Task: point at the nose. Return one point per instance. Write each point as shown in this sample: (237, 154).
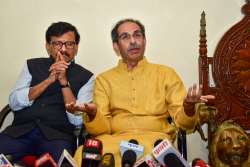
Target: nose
(63, 48)
(236, 144)
(132, 40)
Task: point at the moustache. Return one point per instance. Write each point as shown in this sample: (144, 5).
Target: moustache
(133, 46)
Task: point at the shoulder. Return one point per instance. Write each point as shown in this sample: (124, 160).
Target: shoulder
(162, 69)
(108, 73)
(37, 61)
(82, 69)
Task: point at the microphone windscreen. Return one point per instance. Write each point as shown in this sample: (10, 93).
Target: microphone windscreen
(157, 142)
(138, 149)
(172, 160)
(163, 153)
(92, 149)
(133, 141)
(128, 158)
(199, 163)
(29, 160)
(108, 160)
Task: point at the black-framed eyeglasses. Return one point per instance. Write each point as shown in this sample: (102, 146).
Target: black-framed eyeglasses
(59, 44)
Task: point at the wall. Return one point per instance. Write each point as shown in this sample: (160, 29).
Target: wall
(172, 29)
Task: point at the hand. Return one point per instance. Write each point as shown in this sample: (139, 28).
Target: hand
(194, 95)
(60, 66)
(52, 77)
(90, 108)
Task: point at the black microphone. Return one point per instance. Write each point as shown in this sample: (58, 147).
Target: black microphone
(172, 160)
(92, 152)
(167, 155)
(108, 160)
(128, 158)
(157, 142)
(130, 151)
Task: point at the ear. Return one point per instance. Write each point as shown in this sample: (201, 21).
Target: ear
(116, 49)
(47, 48)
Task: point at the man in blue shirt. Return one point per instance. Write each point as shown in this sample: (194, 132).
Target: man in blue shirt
(42, 123)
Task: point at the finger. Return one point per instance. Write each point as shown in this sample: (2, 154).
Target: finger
(208, 97)
(57, 57)
(198, 92)
(194, 90)
(62, 57)
(189, 92)
(203, 99)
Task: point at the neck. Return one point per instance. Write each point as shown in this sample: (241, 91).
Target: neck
(132, 64)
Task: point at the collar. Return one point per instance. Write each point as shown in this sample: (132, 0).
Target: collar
(142, 63)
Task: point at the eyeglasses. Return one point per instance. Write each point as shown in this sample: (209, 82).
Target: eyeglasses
(67, 44)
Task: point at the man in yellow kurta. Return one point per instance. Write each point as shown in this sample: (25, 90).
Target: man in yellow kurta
(134, 99)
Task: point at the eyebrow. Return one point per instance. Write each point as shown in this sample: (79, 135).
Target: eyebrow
(125, 33)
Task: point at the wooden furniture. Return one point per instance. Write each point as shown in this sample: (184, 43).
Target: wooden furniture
(230, 69)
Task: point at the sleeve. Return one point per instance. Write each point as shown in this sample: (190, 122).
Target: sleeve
(175, 95)
(19, 96)
(85, 95)
(101, 123)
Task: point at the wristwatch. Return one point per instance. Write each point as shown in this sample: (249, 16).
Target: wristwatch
(65, 86)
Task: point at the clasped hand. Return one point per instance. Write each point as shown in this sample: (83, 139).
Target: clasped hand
(58, 70)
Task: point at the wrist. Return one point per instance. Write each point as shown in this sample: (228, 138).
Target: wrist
(64, 84)
(189, 108)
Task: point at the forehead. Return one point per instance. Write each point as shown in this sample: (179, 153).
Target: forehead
(129, 27)
(68, 36)
(231, 132)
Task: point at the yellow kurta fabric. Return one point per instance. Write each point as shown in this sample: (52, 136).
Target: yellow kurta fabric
(135, 104)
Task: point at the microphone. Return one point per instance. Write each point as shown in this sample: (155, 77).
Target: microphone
(147, 161)
(131, 145)
(66, 159)
(167, 155)
(197, 162)
(45, 160)
(130, 151)
(108, 160)
(4, 162)
(92, 152)
(157, 142)
(128, 158)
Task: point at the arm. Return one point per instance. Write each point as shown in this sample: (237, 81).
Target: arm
(85, 95)
(23, 95)
(175, 95)
(19, 98)
(194, 96)
(101, 122)
(98, 112)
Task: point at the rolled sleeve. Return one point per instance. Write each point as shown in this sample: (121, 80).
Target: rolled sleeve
(19, 96)
(85, 95)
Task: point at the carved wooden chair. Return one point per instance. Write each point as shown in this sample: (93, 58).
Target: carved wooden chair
(229, 69)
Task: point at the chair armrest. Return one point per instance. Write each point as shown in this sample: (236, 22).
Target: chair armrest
(3, 114)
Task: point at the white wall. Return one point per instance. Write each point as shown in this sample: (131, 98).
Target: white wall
(172, 28)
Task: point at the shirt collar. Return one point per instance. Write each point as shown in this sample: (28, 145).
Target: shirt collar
(122, 65)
